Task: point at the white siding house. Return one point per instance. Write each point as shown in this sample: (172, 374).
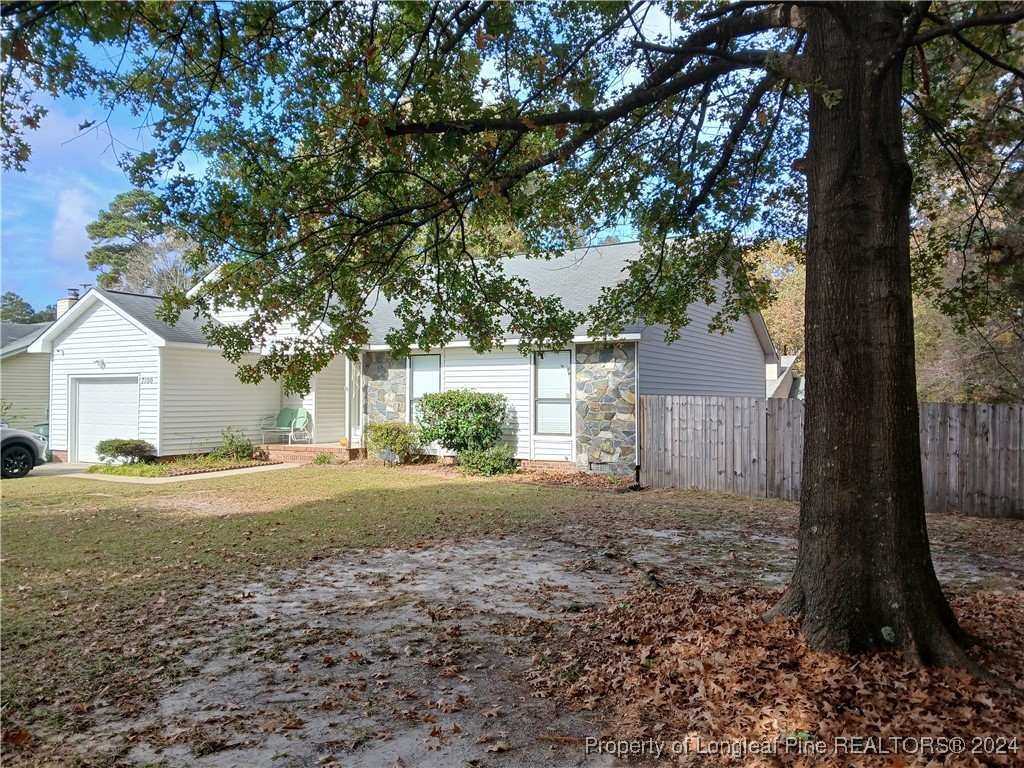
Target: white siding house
(117, 371)
(577, 405)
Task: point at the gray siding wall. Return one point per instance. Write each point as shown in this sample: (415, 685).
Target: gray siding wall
(25, 384)
(702, 363)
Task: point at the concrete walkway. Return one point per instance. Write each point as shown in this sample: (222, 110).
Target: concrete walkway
(78, 470)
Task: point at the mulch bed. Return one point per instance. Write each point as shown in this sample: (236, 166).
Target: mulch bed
(182, 472)
(700, 675)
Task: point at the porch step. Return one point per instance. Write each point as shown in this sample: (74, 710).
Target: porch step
(304, 454)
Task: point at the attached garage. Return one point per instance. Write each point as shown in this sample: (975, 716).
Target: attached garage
(103, 408)
(118, 371)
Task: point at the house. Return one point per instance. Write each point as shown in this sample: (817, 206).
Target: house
(569, 407)
(117, 371)
(24, 378)
(573, 407)
(782, 381)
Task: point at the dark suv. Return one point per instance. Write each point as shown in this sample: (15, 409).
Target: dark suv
(20, 451)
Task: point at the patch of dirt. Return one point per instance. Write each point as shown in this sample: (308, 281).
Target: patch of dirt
(423, 656)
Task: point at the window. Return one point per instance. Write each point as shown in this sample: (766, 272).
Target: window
(425, 379)
(553, 405)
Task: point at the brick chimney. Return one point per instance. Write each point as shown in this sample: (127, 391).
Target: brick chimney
(63, 305)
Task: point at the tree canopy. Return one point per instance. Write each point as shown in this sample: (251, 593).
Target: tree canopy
(352, 150)
(356, 148)
(14, 309)
(137, 248)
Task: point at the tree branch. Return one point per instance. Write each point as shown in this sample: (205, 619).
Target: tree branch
(631, 102)
(950, 27)
(995, 62)
(467, 24)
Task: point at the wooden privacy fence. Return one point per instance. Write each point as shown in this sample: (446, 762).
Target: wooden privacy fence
(972, 456)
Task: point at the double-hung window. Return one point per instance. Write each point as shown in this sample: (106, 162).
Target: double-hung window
(553, 393)
(425, 376)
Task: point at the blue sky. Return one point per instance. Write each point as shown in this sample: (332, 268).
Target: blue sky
(71, 176)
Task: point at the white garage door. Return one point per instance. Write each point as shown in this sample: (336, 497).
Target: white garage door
(105, 408)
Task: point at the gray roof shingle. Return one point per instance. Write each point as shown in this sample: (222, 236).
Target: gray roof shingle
(17, 336)
(188, 329)
(577, 278)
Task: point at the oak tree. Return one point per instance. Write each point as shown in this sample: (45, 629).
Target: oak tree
(356, 150)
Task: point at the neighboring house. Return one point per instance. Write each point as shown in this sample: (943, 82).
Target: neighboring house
(782, 380)
(570, 407)
(24, 378)
(116, 371)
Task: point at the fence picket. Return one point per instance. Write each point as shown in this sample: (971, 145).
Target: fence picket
(972, 457)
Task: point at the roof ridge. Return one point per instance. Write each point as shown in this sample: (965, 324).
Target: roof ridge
(128, 293)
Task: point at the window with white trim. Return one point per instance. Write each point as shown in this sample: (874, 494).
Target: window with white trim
(553, 393)
(424, 379)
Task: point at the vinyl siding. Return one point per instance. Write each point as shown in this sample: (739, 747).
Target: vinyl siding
(702, 363)
(285, 330)
(329, 405)
(552, 448)
(231, 316)
(504, 371)
(202, 396)
(25, 384)
(102, 343)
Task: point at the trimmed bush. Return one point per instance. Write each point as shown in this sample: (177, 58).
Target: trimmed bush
(237, 447)
(496, 460)
(461, 419)
(125, 451)
(400, 438)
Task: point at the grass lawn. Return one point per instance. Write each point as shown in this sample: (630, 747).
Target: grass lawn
(99, 579)
(86, 564)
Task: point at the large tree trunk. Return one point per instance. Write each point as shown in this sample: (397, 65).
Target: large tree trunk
(864, 578)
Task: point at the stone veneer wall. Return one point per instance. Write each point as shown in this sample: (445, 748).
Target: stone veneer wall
(606, 407)
(384, 387)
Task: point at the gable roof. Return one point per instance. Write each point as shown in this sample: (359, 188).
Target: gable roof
(577, 278)
(17, 337)
(188, 329)
(137, 309)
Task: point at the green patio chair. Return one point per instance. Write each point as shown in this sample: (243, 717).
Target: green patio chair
(300, 428)
(278, 425)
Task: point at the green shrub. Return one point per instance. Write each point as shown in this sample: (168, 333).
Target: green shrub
(496, 460)
(237, 447)
(396, 436)
(461, 419)
(125, 451)
(323, 458)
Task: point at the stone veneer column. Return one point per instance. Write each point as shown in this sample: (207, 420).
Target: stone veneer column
(606, 407)
(384, 387)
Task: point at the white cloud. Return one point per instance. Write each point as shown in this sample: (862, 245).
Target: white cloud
(68, 239)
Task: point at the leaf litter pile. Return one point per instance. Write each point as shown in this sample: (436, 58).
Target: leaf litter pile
(701, 674)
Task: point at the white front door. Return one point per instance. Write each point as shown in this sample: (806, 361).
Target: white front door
(105, 408)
